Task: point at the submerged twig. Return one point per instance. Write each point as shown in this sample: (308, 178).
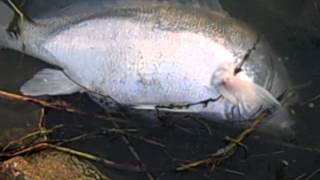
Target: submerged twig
(133, 151)
(205, 125)
(186, 106)
(311, 100)
(146, 140)
(67, 108)
(55, 105)
(289, 93)
(290, 145)
(16, 10)
(231, 171)
(266, 154)
(223, 153)
(21, 141)
(317, 171)
(42, 118)
(106, 162)
(300, 176)
(126, 132)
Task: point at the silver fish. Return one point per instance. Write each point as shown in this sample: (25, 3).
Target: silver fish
(155, 54)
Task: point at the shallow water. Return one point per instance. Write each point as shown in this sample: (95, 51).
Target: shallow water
(293, 29)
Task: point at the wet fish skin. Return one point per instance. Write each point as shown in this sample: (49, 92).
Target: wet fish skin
(233, 33)
(232, 38)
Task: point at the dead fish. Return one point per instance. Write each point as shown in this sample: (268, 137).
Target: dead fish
(155, 55)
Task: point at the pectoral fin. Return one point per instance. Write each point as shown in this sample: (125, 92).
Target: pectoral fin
(49, 82)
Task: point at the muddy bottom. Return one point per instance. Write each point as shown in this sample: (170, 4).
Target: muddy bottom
(50, 165)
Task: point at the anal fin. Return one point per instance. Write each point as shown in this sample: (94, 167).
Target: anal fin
(49, 82)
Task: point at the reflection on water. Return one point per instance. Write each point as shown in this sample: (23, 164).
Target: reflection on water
(293, 29)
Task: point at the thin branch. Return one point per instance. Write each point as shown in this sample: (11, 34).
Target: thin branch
(20, 142)
(317, 171)
(133, 151)
(16, 10)
(106, 162)
(290, 145)
(225, 152)
(55, 105)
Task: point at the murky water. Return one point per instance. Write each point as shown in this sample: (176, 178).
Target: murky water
(293, 29)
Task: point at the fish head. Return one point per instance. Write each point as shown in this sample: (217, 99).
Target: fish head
(245, 96)
(244, 99)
